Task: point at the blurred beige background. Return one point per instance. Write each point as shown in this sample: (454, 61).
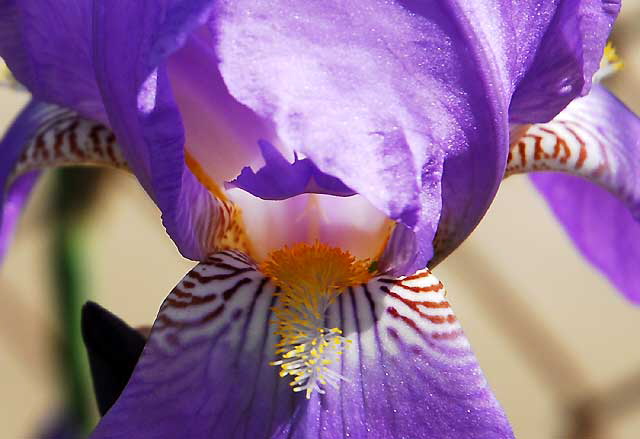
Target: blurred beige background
(577, 336)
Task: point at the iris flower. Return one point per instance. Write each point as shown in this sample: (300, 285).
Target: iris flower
(316, 157)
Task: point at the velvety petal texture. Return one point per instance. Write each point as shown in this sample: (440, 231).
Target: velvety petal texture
(596, 138)
(205, 373)
(553, 49)
(362, 90)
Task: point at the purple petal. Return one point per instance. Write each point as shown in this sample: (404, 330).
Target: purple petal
(143, 114)
(204, 371)
(21, 133)
(597, 138)
(221, 134)
(44, 136)
(412, 111)
(386, 99)
(72, 53)
(568, 56)
(600, 225)
(15, 192)
(279, 179)
(137, 94)
(47, 46)
(12, 206)
(541, 65)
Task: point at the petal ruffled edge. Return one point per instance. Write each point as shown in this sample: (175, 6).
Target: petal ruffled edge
(278, 179)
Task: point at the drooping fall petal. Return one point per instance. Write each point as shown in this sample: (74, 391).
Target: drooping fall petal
(37, 138)
(46, 136)
(205, 370)
(596, 138)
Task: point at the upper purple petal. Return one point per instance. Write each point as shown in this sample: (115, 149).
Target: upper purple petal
(603, 224)
(141, 109)
(221, 134)
(568, 56)
(386, 97)
(405, 103)
(536, 34)
(101, 60)
(205, 370)
(137, 93)
(48, 47)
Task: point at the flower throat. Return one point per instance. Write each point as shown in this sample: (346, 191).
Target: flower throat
(310, 277)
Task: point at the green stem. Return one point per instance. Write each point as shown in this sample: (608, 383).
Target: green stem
(71, 293)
